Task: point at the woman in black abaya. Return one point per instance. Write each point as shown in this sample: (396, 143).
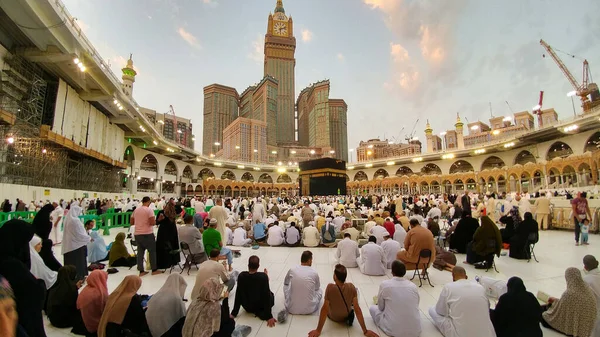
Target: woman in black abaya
(166, 241)
(15, 263)
(43, 226)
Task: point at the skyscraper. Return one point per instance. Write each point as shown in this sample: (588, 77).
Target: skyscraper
(220, 109)
(280, 63)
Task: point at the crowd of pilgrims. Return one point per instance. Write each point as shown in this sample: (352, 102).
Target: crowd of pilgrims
(395, 230)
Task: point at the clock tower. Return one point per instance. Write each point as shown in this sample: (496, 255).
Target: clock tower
(280, 63)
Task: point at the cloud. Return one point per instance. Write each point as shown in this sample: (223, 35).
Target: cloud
(424, 47)
(341, 57)
(257, 52)
(211, 3)
(307, 35)
(188, 37)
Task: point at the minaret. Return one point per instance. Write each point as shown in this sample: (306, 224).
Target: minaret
(128, 77)
(460, 142)
(429, 136)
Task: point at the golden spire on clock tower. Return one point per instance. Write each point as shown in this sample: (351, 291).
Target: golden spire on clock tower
(279, 7)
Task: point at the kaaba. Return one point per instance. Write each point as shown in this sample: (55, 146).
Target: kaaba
(325, 176)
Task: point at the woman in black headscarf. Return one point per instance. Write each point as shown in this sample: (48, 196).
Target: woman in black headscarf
(61, 307)
(463, 234)
(15, 263)
(166, 242)
(486, 243)
(518, 242)
(511, 222)
(42, 226)
(517, 313)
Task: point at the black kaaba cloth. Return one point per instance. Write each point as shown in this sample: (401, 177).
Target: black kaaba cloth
(325, 176)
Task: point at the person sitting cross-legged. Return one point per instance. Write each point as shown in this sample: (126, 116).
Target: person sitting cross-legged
(253, 293)
(463, 308)
(347, 252)
(209, 269)
(397, 309)
(240, 235)
(302, 287)
(372, 259)
(340, 298)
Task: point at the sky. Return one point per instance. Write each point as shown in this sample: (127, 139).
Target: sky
(396, 63)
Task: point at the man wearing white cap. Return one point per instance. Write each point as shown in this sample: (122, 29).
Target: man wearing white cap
(240, 236)
(390, 248)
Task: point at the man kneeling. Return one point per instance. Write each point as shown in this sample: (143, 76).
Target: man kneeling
(253, 292)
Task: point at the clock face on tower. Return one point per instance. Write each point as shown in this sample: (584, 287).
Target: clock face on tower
(280, 28)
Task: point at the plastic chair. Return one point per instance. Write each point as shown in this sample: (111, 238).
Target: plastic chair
(423, 254)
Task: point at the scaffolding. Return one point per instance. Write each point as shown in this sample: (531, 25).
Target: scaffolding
(29, 93)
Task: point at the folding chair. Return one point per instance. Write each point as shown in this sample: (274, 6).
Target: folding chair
(189, 257)
(134, 245)
(532, 239)
(173, 253)
(423, 254)
(491, 243)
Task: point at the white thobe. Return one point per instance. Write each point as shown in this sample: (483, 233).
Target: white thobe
(399, 234)
(229, 235)
(390, 248)
(56, 232)
(372, 260)
(433, 212)
(310, 236)
(524, 207)
(347, 252)
(240, 237)
(219, 213)
(338, 221)
(302, 290)
(292, 235)
(397, 309)
(275, 236)
(592, 278)
(210, 202)
(258, 213)
(199, 206)
(463, 310)
(378, 231)
(367, 228)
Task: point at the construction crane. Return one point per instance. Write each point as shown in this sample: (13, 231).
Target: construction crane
(582, 90)
(537, 110)
(411, 136)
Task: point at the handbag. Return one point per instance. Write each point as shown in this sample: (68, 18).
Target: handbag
(350, 318)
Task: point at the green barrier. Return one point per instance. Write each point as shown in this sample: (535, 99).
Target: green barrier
(91, 212)
(115, 220)
(110, 211)
(207, 208)
(190, 211)
(5, 221)
(27, 216)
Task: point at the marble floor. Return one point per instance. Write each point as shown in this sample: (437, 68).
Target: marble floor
(555, 251)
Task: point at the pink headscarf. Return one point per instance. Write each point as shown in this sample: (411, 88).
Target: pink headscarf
(92, 299)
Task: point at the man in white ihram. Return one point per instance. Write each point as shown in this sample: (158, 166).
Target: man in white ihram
(372, 259)
(302, 287)
(390, 248)
(347, 252)
(275, 235)
(463, 308)
(258, 212)
(397, 309)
